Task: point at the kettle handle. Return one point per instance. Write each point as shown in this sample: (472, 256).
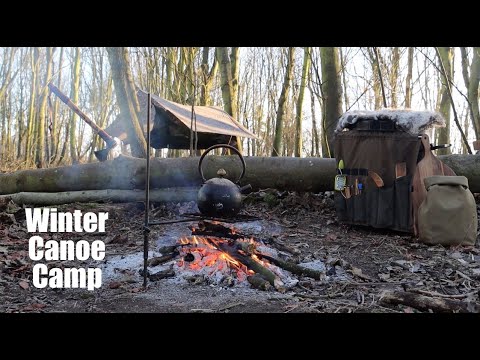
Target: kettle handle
(235, 150)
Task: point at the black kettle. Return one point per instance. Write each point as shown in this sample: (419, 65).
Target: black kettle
(218, 196)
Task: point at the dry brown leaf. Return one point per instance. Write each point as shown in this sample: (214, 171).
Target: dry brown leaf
(38, 306)
(358, 272)
(119, 239)
(115, 285)
(33, 307)
(330, 237)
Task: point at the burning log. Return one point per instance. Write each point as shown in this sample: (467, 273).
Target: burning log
(258, 282)
(213, 227)
(294, 268)
(283, 247)
(249, 263)
(247, 247)
(170, 249)
(162, 259)
(426, 303)
(126, 173)
(206, 228)
(210, 233)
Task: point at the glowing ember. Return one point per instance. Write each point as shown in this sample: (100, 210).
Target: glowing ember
(209, 258)
(226, 256)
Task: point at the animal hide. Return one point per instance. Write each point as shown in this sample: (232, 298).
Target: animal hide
(414, 122)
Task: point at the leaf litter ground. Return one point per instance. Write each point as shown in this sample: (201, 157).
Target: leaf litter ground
(361, 264)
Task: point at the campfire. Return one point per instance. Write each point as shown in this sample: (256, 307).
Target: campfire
(224, 254)
(205, 253)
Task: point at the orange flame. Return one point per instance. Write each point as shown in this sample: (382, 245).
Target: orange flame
(208, 256)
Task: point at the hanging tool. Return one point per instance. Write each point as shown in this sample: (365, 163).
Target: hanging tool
(376, 178)
(102, 154)
(400, 170)
(340, 180)
(443, 146)
(360, 188)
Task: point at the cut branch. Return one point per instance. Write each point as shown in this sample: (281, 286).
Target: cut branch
(159, 260)
(163, 274)
(258, 282)
(425, 303)
(294, 268)
(249, 263)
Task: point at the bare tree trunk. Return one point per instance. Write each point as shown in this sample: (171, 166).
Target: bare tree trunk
(315, 142)
(7, 70)
(332, 90)
(473, 92)
(181, 77)
(226, 80)
(229, 68)
(408, 81)
(55, 132)
(235, 67)
(298, 117)
(6, 79)
(471, 83)
(394, 76)
(377, 91)
(169, 63)
(278, 139)
(31, 112)
(465, 125)
(345, 94)
(40, 153)
(127, 98)
(442, 135)
(207, 77)
(74, 94)
(8, 104)
(20, 120)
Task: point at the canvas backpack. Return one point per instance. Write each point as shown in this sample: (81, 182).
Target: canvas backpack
(363, 152)
(448, 215)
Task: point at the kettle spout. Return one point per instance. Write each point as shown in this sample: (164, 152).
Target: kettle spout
(245, 188)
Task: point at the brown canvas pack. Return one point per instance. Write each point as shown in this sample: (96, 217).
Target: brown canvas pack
(385, 206)
(448, 215)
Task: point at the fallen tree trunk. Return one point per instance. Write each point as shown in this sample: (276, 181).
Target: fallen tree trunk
(425, 303)
(109, 195)
(127, 173)
(465, 165)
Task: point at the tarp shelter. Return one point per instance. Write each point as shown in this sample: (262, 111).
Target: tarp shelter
(171, 125)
